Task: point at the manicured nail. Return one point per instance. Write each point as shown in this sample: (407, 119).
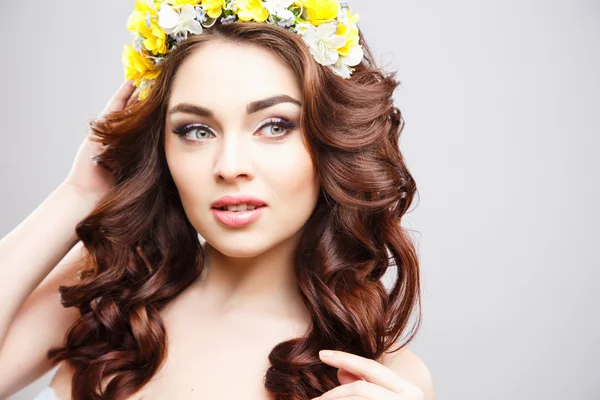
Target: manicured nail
(325, 353)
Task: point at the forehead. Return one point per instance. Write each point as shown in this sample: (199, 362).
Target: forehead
(225, 73)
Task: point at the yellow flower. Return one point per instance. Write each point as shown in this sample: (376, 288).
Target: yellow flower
(155, 39)
(213, 7)
(137, 19)
(347, 28)
(137, 67)
(251, 10)
(351, 34)
(321, 11)
(184, 2)
(144, 5)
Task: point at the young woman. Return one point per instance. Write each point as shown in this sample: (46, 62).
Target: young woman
(225, 222)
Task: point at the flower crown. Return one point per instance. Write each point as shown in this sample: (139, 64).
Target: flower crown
(327, 26)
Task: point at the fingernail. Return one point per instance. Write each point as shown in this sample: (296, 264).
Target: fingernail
(325, 353)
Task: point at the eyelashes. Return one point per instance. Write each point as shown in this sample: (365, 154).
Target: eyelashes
(288, 126)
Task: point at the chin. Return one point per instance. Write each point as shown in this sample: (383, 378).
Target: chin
(235, 246)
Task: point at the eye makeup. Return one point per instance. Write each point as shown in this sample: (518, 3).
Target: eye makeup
(288, 125)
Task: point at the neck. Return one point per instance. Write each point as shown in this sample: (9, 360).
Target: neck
(264, 284)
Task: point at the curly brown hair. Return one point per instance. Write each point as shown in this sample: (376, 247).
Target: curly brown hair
(143, 251)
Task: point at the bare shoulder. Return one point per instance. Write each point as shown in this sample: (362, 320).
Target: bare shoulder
(411, 367)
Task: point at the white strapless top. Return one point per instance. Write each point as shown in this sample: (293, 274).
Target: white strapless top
(46, 394)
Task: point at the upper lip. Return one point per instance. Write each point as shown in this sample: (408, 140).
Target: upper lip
(237, 199)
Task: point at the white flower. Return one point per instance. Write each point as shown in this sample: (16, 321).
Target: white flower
(343, 64)
(184, 21)
(279, 8)
(322, 41)
(231, 6)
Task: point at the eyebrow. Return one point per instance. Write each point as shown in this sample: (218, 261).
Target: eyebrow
(253, 107)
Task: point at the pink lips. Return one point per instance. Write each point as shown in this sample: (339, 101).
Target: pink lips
(237, 199)
(238, 218)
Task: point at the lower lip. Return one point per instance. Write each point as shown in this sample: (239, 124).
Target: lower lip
(238, 218)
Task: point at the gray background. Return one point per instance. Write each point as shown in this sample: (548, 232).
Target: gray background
(501, 102)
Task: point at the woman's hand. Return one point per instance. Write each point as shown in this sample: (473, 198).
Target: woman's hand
(87, 177)
(365, 379)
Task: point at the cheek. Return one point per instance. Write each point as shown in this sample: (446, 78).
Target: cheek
(291, 177)
(189, 173)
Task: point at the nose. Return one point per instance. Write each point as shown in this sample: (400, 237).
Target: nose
(233, 159)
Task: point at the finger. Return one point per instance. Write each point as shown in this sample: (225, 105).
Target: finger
(345, 377)
(119, 99)
(131, 100)
(363, 389)
(370, 370)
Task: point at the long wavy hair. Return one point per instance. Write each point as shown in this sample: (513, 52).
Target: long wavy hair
(143, 251)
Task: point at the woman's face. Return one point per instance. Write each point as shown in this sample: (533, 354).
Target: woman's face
(234, 146)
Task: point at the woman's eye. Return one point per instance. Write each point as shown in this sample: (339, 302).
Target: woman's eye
(273, 128)
(200, 131)
(277, 128)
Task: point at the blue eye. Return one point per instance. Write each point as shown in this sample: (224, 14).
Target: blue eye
(279, 129)
(185, 129)
(284, 127)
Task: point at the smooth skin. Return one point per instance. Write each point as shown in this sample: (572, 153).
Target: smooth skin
(366, 379)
